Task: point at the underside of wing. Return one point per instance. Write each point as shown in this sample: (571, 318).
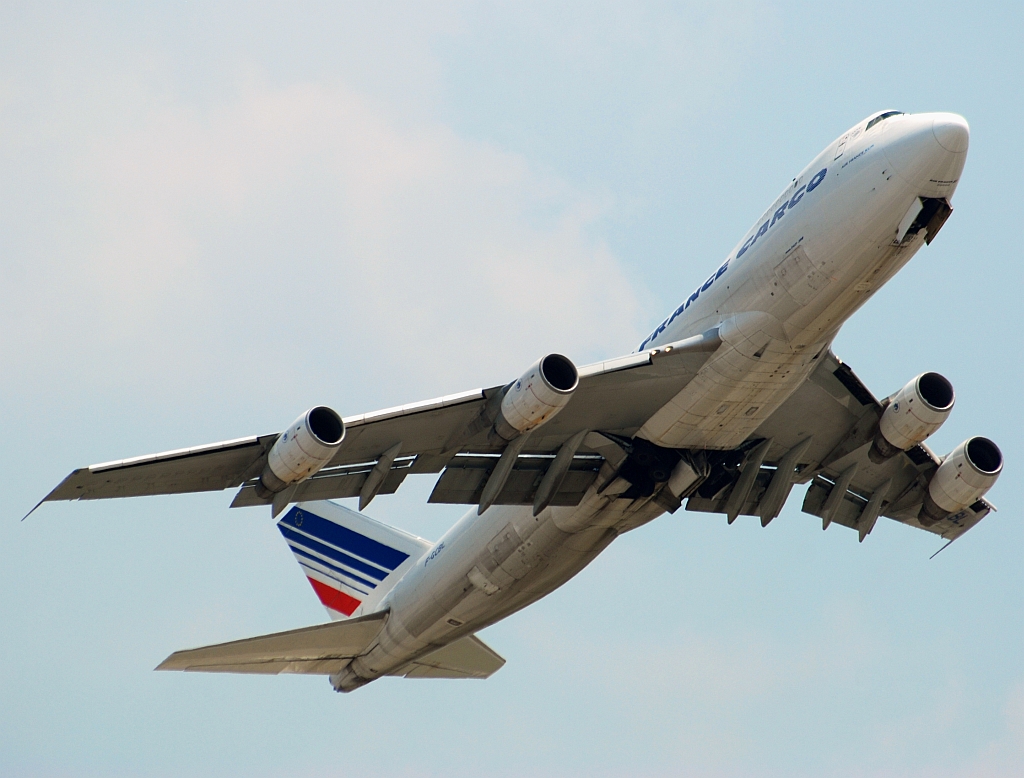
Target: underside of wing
(450, 434)
(822, 435)
(200, 469)
(832, 420)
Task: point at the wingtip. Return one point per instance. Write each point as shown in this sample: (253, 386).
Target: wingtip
(169, 663)
(947, 545)
(34, 508)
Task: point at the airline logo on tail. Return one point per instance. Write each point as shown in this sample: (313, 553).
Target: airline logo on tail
(342, 565)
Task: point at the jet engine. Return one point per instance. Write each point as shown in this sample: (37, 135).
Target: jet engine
(963, 477)
(537, 396)
(914, 412)
(303, 448)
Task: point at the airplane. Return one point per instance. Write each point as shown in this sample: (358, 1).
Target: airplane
(732, 401)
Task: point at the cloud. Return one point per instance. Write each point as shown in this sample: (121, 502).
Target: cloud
(294, 230)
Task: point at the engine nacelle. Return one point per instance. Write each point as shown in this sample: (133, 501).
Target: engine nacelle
(535, 398)
(915, 412)
(963, 477)
(304, 447)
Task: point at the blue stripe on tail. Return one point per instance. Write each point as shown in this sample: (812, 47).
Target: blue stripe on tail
(343, 538)
(332, 553)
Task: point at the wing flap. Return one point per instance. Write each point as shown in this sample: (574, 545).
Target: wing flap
(305, 667)
(322, 649)
(851, 505)
(464, 479)
(334, 483)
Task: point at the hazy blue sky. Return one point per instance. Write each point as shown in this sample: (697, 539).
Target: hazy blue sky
(214, 216)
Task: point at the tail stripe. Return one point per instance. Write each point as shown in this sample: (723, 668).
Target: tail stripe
(344, 538)
(335, 600)
(330, 580)
(310, 561)
(350, 560)
(333, 554)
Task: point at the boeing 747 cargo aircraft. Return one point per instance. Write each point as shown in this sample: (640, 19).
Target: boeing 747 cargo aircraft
(732, 401)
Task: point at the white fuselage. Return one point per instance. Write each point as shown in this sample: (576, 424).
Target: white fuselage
(826, 244)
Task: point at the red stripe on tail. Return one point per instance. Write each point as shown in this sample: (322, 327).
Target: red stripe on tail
(333, 599)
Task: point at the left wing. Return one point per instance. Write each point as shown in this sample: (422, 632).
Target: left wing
(617, 395)
(199, 469)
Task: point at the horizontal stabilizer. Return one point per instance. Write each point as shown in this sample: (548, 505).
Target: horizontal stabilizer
(468, 657)
(320, 650)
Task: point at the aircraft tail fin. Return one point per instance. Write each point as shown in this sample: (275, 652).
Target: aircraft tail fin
(351, 560)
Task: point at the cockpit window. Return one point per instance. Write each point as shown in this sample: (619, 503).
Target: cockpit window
(882, 117)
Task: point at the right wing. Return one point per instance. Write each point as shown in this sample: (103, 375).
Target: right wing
(840, 416)
(616, 396)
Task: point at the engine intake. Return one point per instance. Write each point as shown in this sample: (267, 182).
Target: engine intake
(964, 476)
(303, 448)
(537, 396)
(913, 413)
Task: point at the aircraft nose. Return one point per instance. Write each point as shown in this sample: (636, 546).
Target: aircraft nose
(951, 132)
(928, 151)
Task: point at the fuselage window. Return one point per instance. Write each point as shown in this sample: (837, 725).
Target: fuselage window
(882, 117)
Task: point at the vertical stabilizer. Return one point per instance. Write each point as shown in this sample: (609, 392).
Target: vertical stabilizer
(351, 560)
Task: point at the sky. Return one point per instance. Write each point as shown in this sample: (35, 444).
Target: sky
(213, 216)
